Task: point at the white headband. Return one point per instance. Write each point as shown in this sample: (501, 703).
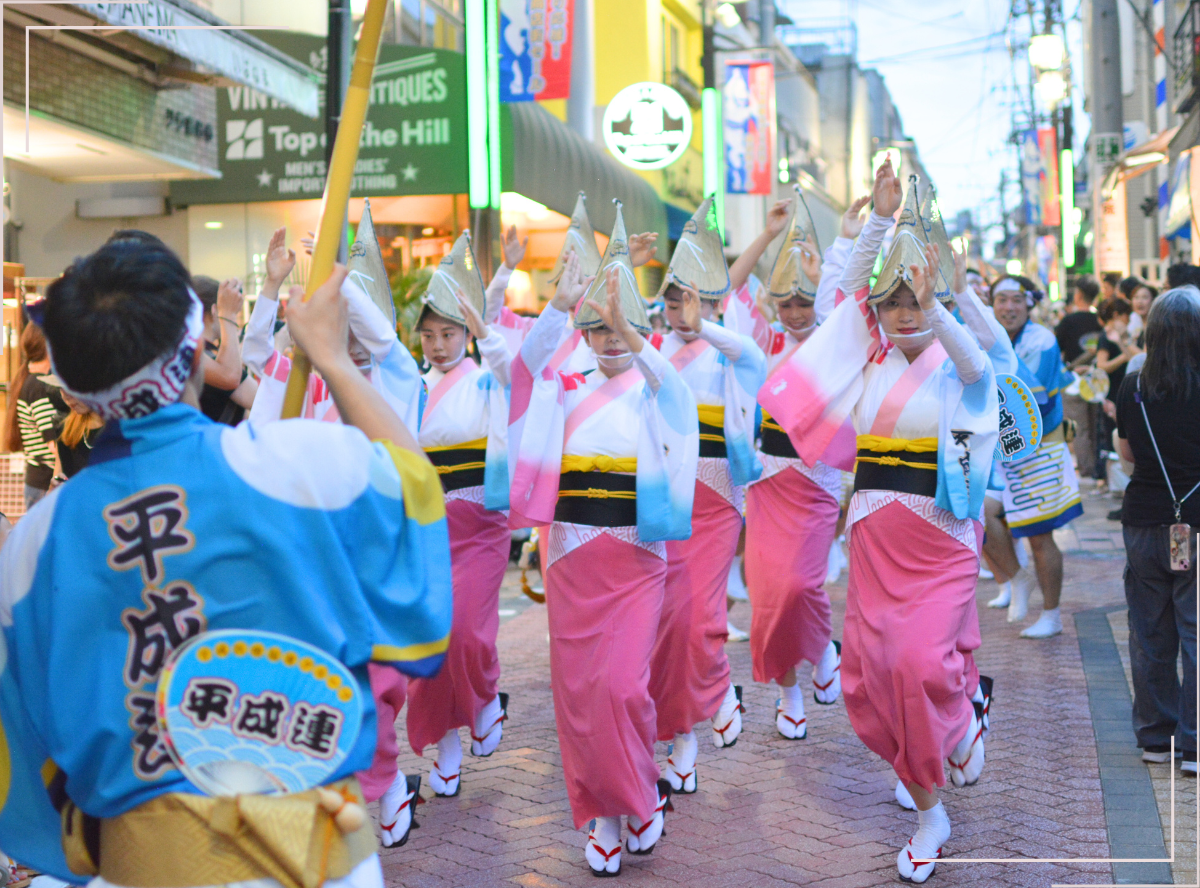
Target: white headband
(159, 384)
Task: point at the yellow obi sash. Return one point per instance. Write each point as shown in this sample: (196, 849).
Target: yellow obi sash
(598, 490)
(904, 465)
(712, 430)
(877, 444)
(459, 465)
(602, 463)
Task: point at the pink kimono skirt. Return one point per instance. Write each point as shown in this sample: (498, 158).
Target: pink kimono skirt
(388, 688)
(908, 671)
(689, 672)
(790, 525)
(479, 546)
(603, 602)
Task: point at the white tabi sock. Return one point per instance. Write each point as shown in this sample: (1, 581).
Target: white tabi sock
(1023, 584)
(933, 831)
(681, 764)
(449, 760)
(735, 587)
(1048, 625)
(793, 697)
(1004, 599)
(488, 731)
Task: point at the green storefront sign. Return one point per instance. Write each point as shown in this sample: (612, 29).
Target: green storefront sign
(414, 140)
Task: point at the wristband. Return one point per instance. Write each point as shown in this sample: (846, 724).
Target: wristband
(231, 320)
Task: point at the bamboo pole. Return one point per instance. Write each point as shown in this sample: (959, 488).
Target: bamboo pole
(337, 185)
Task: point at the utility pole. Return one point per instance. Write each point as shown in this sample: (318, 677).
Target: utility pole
(1107, 125)
(338, 58)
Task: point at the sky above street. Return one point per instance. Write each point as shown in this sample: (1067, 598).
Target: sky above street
(948, 66)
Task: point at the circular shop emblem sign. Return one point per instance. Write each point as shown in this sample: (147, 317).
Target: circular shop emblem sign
(647, 126)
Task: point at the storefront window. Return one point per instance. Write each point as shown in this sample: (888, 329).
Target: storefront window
(433, 23)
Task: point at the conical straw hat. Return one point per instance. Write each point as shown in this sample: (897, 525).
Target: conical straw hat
(365, 265)
(787, 277)
(456, 271)
(699, 258)
(935, 233)
(615, 254)
(908, 248)
(581, 240)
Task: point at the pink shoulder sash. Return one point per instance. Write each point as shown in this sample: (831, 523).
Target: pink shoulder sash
(461, 370)
(912, 379)
(688, 353)
(601, 397)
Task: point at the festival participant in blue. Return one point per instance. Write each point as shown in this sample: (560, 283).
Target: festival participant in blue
(1042, 492)
(331, 534)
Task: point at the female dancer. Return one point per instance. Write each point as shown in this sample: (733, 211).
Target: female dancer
(464, 432)
(923, 401)
(689, 673)
(792, 511)
(610, 458)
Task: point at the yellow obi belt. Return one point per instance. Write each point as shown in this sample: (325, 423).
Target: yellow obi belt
(774, 440)
(600, 491)
(712, 431)
(459, 465)
(900, 464)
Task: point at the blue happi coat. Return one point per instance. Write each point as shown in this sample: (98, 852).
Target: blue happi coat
(178, 526)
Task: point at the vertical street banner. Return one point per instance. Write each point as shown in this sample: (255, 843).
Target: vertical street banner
(748, 117)
(1112, 242)
(1047, 137)
(535, 49)
(414, 140)
(1033, 174)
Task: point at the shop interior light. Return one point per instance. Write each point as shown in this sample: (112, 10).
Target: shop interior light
(1046, 52)
(1054, 294)
(785, 173)
(1013, 266)
(512, 203)
(1070, 220)
(213, 226)
(427, 231)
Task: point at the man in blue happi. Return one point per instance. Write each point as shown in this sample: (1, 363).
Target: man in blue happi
(332, 534)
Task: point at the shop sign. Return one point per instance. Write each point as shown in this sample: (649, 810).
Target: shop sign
(647, 126)
(748, 118)
(535, 49)
(413, 141)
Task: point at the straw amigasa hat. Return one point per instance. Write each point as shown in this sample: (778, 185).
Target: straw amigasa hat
(908, 248)
(787, 278)
(456, 271)
(365, 265)
(935, 233)
(699, 258)
(581, 240)
(615, 254)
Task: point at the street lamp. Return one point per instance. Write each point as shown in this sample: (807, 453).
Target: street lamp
(1051, 88)
(1046, 52)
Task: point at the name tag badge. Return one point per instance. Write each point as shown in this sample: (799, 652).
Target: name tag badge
(1181, 543)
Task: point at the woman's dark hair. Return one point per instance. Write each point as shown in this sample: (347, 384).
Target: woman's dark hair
(1181, 274)
(206, 290)
(33, 347)
(1113, 307)
(115, 311)
(137, 236)
(1172, 369)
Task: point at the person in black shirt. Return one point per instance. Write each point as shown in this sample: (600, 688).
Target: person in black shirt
(1078, 334)
(1113, 351)
(1158, 429)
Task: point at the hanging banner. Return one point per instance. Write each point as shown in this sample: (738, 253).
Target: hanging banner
(748, 116)
(535, 49)
(1048, 148)
(1032, 175)
(1112, 240)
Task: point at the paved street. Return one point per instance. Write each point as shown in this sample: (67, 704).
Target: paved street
(819, 812)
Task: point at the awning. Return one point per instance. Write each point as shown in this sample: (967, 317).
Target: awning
(1140, 159)
(551, 163)
(195, 34)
